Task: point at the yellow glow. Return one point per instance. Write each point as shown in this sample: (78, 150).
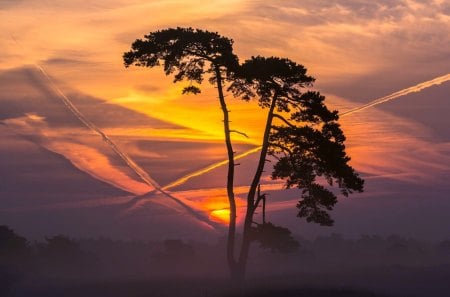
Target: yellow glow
(162, 134)
(218, 209)
(220, 215)
(214, 202)
(198, 112)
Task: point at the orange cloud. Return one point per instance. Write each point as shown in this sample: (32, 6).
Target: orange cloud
(86, 158)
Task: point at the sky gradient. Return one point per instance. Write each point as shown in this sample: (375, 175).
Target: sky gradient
(63, 89)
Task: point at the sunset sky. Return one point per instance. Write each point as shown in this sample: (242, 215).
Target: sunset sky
(72, 115)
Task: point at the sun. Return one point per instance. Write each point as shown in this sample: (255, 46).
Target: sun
(219, 209)
(220, 215)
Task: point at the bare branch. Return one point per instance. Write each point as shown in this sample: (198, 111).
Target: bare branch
(238, 132)
(258, 200)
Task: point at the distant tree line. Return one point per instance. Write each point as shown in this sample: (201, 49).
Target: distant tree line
(60, 257)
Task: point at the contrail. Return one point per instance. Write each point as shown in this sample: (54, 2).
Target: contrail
(185, 178)
(72, 108)
(138, 170)
(131, 164)
(414, 89)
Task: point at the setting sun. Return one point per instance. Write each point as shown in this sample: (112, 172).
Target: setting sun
(220, 215)
(218, 208)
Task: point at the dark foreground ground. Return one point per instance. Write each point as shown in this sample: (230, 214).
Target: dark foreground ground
(186, 288)
(383, 283)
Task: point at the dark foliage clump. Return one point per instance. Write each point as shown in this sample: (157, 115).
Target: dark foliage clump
(275, 238)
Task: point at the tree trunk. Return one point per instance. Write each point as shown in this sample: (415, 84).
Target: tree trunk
(251, 205)
(231, 238)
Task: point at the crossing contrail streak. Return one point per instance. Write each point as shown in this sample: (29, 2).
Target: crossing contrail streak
(137, 201)
(72, 108)
(414, 89)
(138, 170)
(131, 164)
(207, 169)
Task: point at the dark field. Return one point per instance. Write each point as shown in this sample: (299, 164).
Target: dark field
(327, 266)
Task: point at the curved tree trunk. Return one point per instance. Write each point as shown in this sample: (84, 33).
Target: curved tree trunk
(251, 203)
(231, 238)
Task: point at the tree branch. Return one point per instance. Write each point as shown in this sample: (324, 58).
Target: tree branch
(283, 148)
(238, 132)
(275, 115)
(258, 200)
(199, 53)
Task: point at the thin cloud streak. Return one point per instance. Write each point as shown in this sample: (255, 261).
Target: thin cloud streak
(133, 166)
(86, 158)
(414, 89)
(207, 169)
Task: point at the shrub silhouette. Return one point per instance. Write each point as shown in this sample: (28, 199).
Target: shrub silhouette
(15, 258)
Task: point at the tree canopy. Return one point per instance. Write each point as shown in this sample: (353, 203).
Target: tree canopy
(186, 53)
(307, 140)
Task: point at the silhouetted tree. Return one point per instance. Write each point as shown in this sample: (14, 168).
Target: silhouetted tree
(306, 141)
(15, 258)
(62, 255)
(190, 54)
(12, 246)
(275, 238)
